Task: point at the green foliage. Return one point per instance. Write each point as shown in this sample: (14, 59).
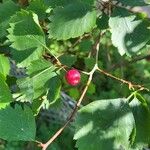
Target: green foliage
(68, 60)
(58, 3)
(39, 7)
(4, 65)
(54, 90)
(85, 46)
(49, 37)
(5, 95)
(33, 86)
(78, 16)
(129, 33)
(142, 120)
(107, 124)
(5, 16)
(74, 93)
(102, 21)
(26, 36)
(133, 2)
(17, 124)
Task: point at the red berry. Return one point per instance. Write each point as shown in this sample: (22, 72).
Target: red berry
(73, 77)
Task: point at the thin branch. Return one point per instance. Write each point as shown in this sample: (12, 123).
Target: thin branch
(57, 60)
(108, 4)
(78, 41)
(130, 84)
(96, 45)
(45, 146)
(128, 8)
(44, 46)
(97, 48)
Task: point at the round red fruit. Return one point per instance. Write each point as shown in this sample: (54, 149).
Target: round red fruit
(73, 77)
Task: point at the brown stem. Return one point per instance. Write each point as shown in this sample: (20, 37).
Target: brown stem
(130, 9)
(23, 2)
(130, 84)
(78, 41)
(44, 146)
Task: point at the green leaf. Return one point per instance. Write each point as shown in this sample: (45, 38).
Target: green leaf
(107, 124)
(4, 65)
(85, 45)
(37, 104)
(17, 124)
(90, 2)
(54, 90)
(5, 94)
(129, 33)
(89, 62)
(72, 21)
(74, 93)
(33, 86)
(142, 121)
(3, 105)
(26, 36)
(38, 7)
(133, 2)
(56, 3)
(68, 60)
(7, 9)
(91, 88)
(147, 1)
(62, 3)
(102, 22)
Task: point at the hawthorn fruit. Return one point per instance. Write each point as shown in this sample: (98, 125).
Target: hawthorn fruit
(73, 77)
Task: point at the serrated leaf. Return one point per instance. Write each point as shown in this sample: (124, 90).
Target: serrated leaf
(38, 66)
(17, 124)
(26, 36)
(72, 21)
(3, 105)
(4, 65)
(107, 124)
(7, 9)
(37, 104)
(5, 94)
(142, 122)
(54, 90)
(129, 33)
(33, 86)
